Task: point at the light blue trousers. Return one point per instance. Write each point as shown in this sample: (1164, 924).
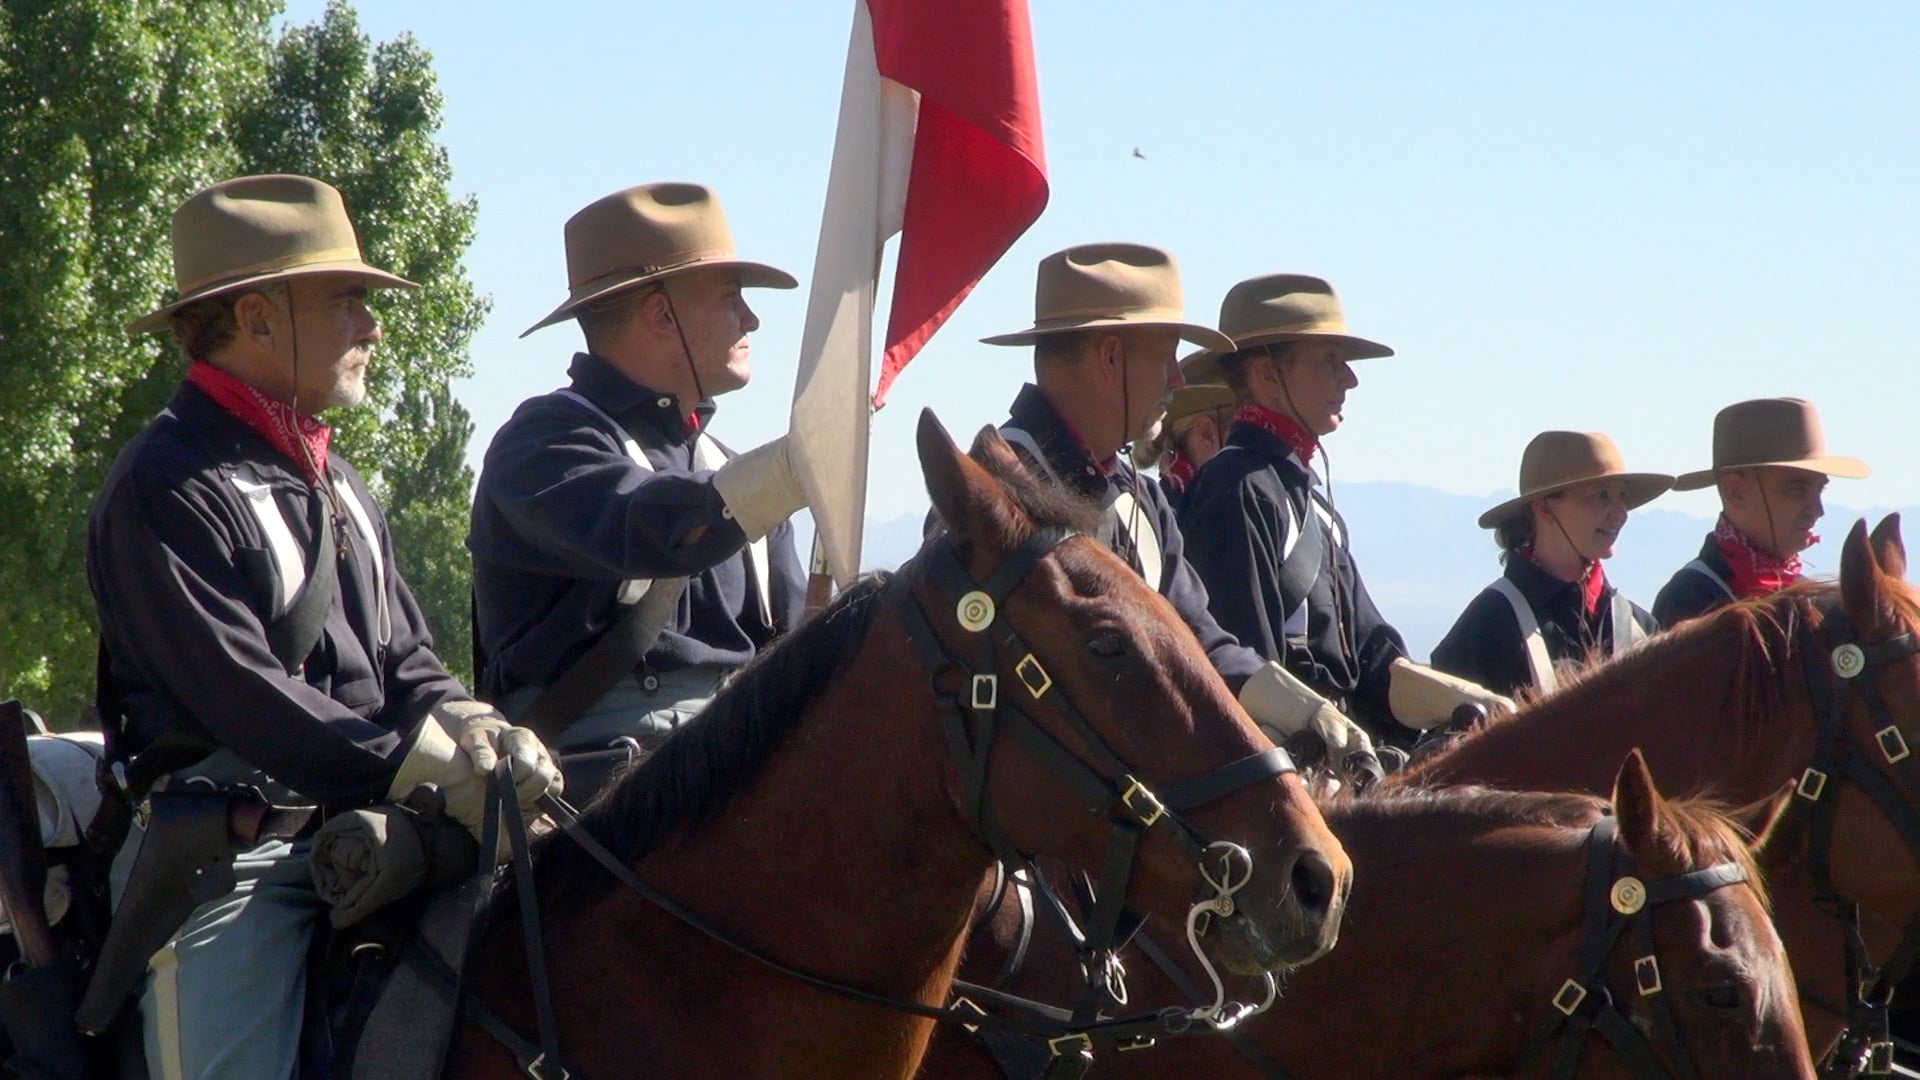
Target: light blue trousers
(646, 709)
(224, 997)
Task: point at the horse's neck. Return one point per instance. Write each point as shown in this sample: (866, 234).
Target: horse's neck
(845, 859)
(1429, 911)
(1679, 701)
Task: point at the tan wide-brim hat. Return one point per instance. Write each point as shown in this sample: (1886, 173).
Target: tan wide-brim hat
(1193, 400)
(245, 232)
(647, 233)
(1557, 460)
(1290, 307)
(1095, 285)
(1202, 369)
(1771, 431)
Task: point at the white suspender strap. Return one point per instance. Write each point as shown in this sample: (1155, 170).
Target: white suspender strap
(1700, 567)
(289, 562)
(1024, 439)
(363, 524)
(1140, 528)
(1146, 541)
(707, 455)
(1626, 629)
(1539, 663)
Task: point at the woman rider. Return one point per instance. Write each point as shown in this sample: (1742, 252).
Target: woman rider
(1552, 607)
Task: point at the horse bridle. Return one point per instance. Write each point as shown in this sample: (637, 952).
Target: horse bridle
(1827, 659)
(975, 710)
(1130, 805)
(1617, 901)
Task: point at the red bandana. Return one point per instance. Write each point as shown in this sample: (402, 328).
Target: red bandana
(1280, 426)
(1593, 585)
(1178, 471)
(274, 421)
(1755, 573)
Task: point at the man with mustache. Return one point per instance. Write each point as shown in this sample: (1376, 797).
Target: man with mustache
(257, 641)
(1770, 465)
(1107, 323)
(596, 495)
(1270, 547)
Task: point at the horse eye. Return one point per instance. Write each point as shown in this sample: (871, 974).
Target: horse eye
(1726, 996)
(1107, 644)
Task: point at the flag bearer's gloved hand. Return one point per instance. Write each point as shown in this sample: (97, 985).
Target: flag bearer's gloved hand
(760, 488)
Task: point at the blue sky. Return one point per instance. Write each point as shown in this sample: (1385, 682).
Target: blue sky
(1614, 218)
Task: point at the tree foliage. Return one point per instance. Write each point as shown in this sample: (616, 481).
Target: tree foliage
(112, 112)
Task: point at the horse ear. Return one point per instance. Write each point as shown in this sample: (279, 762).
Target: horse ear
(990, 448)
(1640, 810)
(1888, 547)
(1862, 584)
(965, 496)
(1759, 819)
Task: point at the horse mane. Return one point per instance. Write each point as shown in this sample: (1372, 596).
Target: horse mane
(1394, 802)
(1045, 504)
(704, 764)
(1704, 835)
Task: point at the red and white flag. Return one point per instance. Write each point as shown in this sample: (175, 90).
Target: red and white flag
(939, 142)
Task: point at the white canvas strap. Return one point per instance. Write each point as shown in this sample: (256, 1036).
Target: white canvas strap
(1539, 662)
(1145, 541)
(289, 560)
(363, 524)
(707, 456)
(1627, 633)
(1700, 567)
(1139, 526)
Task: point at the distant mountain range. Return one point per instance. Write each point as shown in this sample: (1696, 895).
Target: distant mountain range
(1423, 559)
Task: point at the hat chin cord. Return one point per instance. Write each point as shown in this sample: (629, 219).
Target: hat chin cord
(1586, 561)
(686, 350)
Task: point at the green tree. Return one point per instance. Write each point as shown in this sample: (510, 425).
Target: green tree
(111, 113)
(363, 118)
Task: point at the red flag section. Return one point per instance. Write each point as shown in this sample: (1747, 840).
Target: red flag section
(979, 173)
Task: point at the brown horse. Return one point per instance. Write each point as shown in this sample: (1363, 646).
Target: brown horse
(1731, 705)
(836, 808)
(1469, 919)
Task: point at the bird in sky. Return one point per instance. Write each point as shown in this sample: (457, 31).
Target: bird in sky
(1138, 154)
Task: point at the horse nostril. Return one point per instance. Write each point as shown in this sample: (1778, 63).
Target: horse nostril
(1312, 881)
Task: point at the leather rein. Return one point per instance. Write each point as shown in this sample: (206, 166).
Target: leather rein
(972, 715)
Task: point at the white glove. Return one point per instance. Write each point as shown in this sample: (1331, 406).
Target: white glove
(457, 747)
(760, 488)
(1423, 698)
(1283, 705)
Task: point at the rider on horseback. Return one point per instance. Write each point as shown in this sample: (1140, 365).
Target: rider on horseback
(260, 652)
(1770, 464)
(1106, 325)
(610, 489)
(1552, 603)
(1272, 550)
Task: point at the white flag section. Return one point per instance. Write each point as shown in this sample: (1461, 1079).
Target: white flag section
(866, 195)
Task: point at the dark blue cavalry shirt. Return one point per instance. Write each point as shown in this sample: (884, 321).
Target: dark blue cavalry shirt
(1069, 463)
(184, 582)
(562, 517)
(1237, 517)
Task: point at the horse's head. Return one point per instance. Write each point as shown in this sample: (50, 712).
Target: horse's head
(1872, 671)
(1111, 722)
(1697, 969)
